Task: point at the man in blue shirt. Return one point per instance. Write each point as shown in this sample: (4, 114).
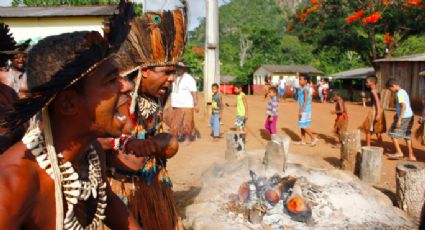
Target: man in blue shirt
(403, 121)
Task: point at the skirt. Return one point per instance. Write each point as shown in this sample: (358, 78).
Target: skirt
(181, 122)
(152, 205)
(372, 126)
(341, 124)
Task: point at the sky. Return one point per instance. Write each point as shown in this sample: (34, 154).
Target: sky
(196, 8)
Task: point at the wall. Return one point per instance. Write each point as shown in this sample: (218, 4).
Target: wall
(407, 74)
(37, 28)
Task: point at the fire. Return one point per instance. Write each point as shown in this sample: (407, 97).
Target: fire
(296, 204)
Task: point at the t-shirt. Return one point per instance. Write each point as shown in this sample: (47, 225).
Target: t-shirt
(296, 83)
(282, 83)
(215, 103)
(183, 87)
(403, 97)
(272, 106)
(240, 107)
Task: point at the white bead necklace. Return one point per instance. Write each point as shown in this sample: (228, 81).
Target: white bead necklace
(74, 189)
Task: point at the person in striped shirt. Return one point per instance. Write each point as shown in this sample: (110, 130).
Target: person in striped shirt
(272, 113)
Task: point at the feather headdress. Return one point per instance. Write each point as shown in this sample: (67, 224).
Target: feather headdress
(155, 39)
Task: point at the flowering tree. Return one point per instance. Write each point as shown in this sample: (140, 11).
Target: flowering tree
(372, 28)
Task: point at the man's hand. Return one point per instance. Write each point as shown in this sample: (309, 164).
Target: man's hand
(162, 145)
(398, 123)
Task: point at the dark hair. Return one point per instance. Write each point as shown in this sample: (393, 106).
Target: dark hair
(273, 89)
(391, 82)
(372, 78)
(306, 77)
(215, 85)
(239, 86)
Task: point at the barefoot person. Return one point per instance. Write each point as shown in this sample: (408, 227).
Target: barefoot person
(420, 132)
(341, 121)
(241, 109)
(58, 169)
(304, 114)
(375, 122)
(272, 112)
(143, 183)
(403, 121)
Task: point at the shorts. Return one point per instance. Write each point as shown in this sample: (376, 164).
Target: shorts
(240, 122)
(281, 91)
(341, 124)
(305, 121)
(404, 131)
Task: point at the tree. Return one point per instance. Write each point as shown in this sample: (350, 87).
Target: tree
(371, 28)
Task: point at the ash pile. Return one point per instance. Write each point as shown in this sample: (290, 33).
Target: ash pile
(244, 194)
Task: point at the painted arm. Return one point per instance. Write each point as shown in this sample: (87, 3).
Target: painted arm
(117, 215)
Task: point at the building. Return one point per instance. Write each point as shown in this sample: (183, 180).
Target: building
(277, 72)
(406, 70)
(351, 83)
(38, 22)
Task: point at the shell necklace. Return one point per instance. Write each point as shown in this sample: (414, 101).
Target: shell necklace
(74, 189)
(147, 106)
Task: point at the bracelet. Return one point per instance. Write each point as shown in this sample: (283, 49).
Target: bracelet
(127, 139)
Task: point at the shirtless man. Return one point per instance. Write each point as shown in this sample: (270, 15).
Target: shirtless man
(77, 93)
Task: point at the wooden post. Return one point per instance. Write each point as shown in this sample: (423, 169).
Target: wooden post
(235, 145)
(371, 164)
(410, 194)
(277, 150)
(350, 151)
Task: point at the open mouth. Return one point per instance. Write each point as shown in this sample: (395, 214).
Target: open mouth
(163, 90)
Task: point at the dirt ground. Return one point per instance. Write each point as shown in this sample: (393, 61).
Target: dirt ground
(193, 159)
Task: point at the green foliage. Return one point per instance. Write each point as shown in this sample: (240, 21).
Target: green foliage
(194, 61)
(413, 45)
(327, 27)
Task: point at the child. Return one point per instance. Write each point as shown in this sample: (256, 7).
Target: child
(241, 109)
(272, 105)
(403, 121)
(216, 113)
(304, 115)
(341, 121)
(375, 122)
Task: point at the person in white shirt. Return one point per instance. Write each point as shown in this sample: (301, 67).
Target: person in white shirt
(184, 103)
(281, 89)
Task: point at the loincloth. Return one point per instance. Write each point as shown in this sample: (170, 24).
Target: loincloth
(374, 127)
(152, 205)
(341, 124)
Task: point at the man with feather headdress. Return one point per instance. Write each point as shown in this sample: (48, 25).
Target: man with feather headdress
(149, 56)
(55, 177)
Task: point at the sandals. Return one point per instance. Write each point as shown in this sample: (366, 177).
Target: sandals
(299, 143)
(395, 156)
(314, 142)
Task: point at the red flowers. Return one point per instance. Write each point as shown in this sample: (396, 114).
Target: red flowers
(355, 16)
(388, 39)
(371, 19)
(314, 1)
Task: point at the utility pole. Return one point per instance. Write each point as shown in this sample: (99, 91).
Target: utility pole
(211, 63)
